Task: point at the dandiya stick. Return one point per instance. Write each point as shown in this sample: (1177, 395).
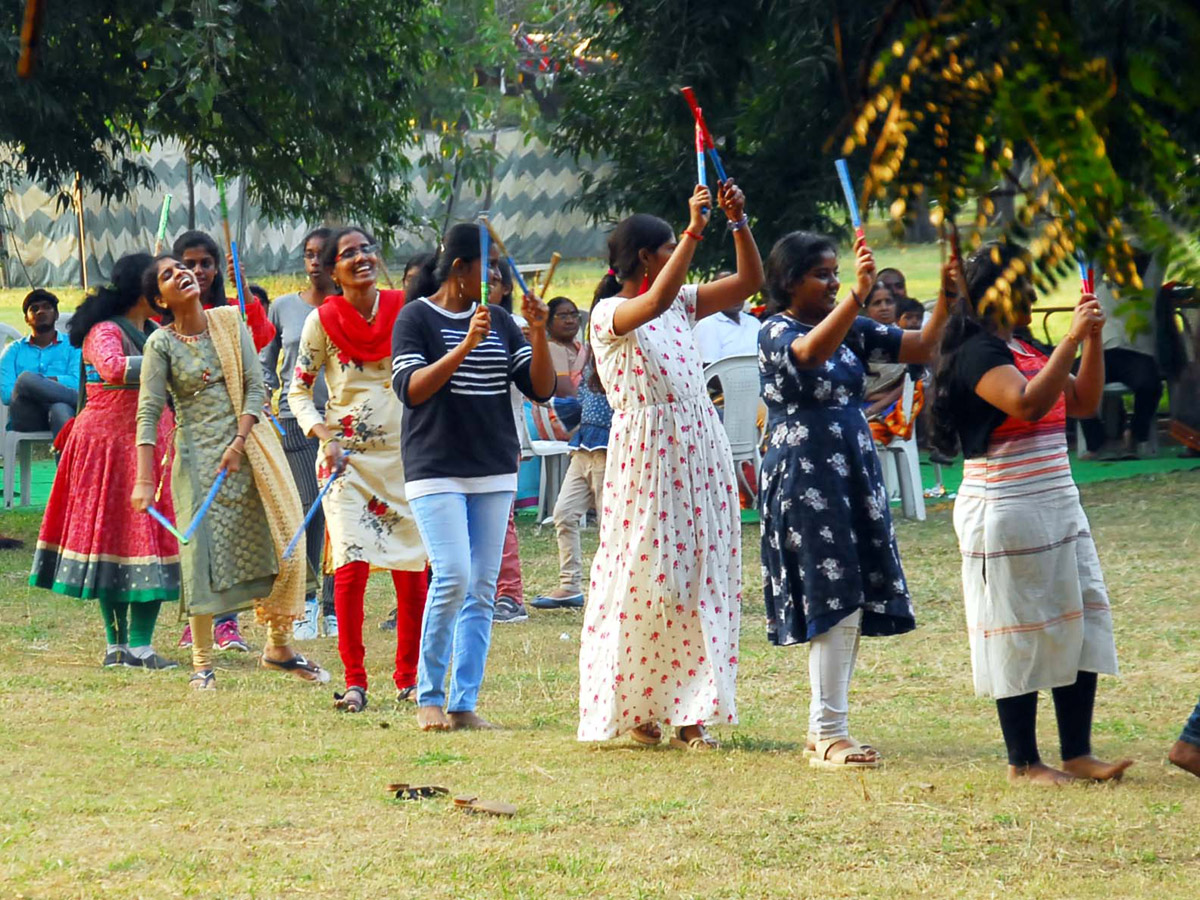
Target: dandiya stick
(274, 421)
(162, 225)
(203, 510)
(224, 214)
(555, 259)
(690, 96)
(485, 253)
(312, 510)
(956, 254)
(512, 263)
(237, 278)
(166, 523)
(701, 169)
(843, 171)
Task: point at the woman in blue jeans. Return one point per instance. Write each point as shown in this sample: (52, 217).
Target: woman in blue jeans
(1186, 752)
(453, 359)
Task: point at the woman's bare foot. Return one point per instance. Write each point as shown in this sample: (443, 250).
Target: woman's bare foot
(469, 720)
(1038, 773)
(1186, 756)
(432, 718)
(1094, 769)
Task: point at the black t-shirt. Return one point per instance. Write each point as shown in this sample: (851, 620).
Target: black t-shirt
(465, 430)
(974, 418)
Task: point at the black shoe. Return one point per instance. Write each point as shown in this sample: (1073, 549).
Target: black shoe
(115, 658)
(388, 624)
(508, 610)
(153, 661)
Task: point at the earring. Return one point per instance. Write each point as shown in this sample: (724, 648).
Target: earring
(645, 283)
(461, 289)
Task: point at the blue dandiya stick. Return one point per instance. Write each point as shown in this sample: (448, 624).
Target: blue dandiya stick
(166, 523)
(512, 263)
(484, 261)
(237, 278)
(312, 510)
(203, 510)
(275, 422)
(701, 169)
(843, 171)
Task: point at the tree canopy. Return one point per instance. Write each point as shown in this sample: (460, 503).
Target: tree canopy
(324, 107)
(1087, 112)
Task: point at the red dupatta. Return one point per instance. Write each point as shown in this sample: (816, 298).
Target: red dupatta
(358, 340)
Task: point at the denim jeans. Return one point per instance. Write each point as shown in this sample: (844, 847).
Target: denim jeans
(1191, 731)
(464, 537)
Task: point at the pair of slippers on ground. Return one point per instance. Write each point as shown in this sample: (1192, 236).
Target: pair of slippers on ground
(468, 802)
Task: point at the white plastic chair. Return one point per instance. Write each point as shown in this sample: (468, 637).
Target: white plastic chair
(553, 459)
(901, 463)
(738, 378)
(17, 446)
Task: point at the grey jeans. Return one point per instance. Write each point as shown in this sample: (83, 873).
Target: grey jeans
(39, 403)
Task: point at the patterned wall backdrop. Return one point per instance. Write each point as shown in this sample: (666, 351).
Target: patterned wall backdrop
(531, 189)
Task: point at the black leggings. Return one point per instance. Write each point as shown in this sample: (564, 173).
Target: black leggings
(1073, 707)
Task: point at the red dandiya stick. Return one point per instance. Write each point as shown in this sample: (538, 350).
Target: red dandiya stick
(690, 96)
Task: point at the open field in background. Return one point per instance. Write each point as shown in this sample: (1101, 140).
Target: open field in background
(577, 279)
(122, 783)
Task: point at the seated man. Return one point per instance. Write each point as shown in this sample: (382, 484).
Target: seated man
(732, 332)
(1129, 357)
(39, 374)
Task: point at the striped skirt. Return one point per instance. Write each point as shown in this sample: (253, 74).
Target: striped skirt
(1037, 609)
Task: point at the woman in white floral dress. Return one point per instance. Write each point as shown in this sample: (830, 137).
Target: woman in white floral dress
(660, 636)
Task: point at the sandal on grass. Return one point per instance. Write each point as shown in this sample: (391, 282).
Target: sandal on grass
(354, 700)
(407, 695)
(471, 803)
(701, 742)
(829, 756)
(299, 666)
(204, 680)
(810, 745)
(648, 735)
(405, 791)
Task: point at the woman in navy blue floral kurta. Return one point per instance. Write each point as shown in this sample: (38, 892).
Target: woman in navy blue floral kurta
(828, 542)
(831, 568)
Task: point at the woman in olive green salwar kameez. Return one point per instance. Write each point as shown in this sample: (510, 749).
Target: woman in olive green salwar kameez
(232, 562)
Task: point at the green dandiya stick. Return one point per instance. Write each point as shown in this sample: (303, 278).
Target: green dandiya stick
(224, 216)
(162, 224)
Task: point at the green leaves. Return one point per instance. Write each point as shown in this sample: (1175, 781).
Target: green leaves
(322, 106)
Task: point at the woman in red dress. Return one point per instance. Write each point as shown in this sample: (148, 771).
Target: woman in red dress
(91, 544)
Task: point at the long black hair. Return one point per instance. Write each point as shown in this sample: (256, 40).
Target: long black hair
(110, 300)
(632, 235)
(461, 242)
(990, 277)
(793, 256)
(188, 240)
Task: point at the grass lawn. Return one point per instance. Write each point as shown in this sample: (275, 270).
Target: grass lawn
(122, 783)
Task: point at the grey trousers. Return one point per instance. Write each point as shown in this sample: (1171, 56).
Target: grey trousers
(39, 403)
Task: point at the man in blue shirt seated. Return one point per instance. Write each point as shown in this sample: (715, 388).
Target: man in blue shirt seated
(39, 374)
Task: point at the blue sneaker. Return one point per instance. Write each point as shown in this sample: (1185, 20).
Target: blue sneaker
(306, 629)
(573, 601)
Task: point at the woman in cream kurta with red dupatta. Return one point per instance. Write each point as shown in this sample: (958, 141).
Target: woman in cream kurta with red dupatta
(366, 511)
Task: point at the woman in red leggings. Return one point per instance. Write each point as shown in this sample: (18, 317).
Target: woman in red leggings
(369, 522)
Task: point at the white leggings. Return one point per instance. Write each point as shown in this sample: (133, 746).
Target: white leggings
(831, 658)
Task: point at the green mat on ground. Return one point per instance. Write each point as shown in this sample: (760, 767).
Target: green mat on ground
(1084, 472)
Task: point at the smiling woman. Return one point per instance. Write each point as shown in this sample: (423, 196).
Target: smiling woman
(368, 517)
(205, 360)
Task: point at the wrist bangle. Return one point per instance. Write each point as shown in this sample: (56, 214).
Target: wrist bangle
(738, 225)
(693, 235)
(854, 296)
(235, 450)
